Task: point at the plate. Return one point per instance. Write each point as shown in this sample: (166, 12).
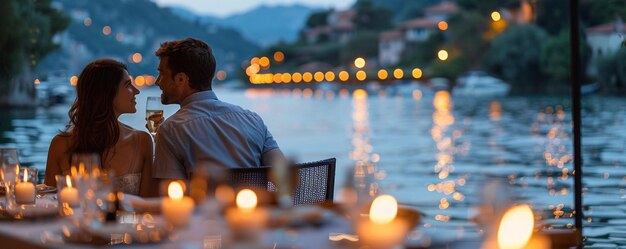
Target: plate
(43, 208)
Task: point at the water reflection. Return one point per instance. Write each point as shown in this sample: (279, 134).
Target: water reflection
(435, 150)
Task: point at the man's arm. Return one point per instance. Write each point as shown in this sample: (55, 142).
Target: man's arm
(166, 164)
(270, 157)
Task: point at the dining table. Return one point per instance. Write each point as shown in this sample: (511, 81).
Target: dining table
(210, 231)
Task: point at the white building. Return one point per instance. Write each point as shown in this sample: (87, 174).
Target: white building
(390, 47)
(605, 39)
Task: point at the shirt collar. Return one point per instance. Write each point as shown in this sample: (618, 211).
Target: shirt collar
(202, 95)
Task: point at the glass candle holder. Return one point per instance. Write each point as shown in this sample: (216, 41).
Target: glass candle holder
(68, 195)
(24, 189)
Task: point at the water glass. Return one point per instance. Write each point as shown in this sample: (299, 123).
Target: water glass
(154, 113)
(9, 163)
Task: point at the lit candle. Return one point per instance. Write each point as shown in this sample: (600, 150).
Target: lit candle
(246, 220)
(177, 208)
(25, 191)
(516, 231)
(69, 194)
(382, 229)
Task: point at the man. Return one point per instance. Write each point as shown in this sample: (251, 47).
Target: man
(205, 128)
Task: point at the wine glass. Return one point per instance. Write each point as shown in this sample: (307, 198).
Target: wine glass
(154, 114)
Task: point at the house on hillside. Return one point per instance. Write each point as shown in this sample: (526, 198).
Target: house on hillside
(441, 11)
(605, 39)
(339, 28)
(399, 41)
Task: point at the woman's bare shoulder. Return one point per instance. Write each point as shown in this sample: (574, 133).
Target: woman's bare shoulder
(62, 139)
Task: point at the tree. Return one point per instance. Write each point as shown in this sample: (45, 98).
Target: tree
(555, 57)
(514, 56)
(553, 15)
(363, 44)
(370, 17)
(467, 29)
(317, 19)
(485, 7)
(25, 38)
(594, 12)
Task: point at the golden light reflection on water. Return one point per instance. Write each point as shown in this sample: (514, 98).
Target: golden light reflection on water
(444, 137)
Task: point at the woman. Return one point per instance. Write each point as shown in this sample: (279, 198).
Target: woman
(104, 91)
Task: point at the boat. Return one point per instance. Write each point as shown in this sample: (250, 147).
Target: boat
(480, 84)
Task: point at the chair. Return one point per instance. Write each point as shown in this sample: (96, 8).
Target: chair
(316, 185)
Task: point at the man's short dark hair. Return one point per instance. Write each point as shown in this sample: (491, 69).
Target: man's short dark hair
(192, 57)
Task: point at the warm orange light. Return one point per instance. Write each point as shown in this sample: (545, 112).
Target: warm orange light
(442, 54)
(36, 82)
(384, 209)
(246, 199)
(516, 227)
(278, 78)
(359, 94)
(495, 16)
(443, 25)
(264, 62)
(254, 60)
(398, 73)
(87, 21)
(307, 77)
(175, 190)
(149, 80)
(221, 75)
(361, 75)
(417, 73)
(359, 62)
(318, 76)
(382, 74)
(296, 77)
(343, 75)
(329, 76)
(106, 30)
(137, 57)
(73, 80)
(140, 81)
(279, 56)
(286, 77)
(68, 181)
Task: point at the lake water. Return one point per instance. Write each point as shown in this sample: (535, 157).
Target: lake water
(432, 151)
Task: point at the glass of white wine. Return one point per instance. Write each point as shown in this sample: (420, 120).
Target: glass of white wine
(154, 113)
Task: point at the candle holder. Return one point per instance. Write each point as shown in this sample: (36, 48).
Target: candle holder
(24, 189)
(176, 207)
(68, 195)
(246, 220)
(385, 226)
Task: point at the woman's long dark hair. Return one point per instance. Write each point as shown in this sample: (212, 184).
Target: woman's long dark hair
(93, 125)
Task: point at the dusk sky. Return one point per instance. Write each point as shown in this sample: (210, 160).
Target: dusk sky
(223, 8)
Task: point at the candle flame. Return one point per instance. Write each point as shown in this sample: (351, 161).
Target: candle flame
(384, 209)
(68, 181)
(175, 190)
(516, 227)
(25, 175)
(246, 199)
(81, 169)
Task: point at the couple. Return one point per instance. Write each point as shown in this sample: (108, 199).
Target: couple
(203, 129)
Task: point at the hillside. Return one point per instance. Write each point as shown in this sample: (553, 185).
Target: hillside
(264, 25)
(137, 26)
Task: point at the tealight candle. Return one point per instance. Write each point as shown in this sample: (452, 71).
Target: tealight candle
(246, 220)
(69, 194)
(25, 191)
(382, 229)
(515, 231)
(177, 208)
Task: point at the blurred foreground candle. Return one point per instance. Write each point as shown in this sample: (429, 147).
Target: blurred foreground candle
(382, 229)
(177, 208)
(246, 220)
(516, 231)
(25, 190)
(69, 194)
